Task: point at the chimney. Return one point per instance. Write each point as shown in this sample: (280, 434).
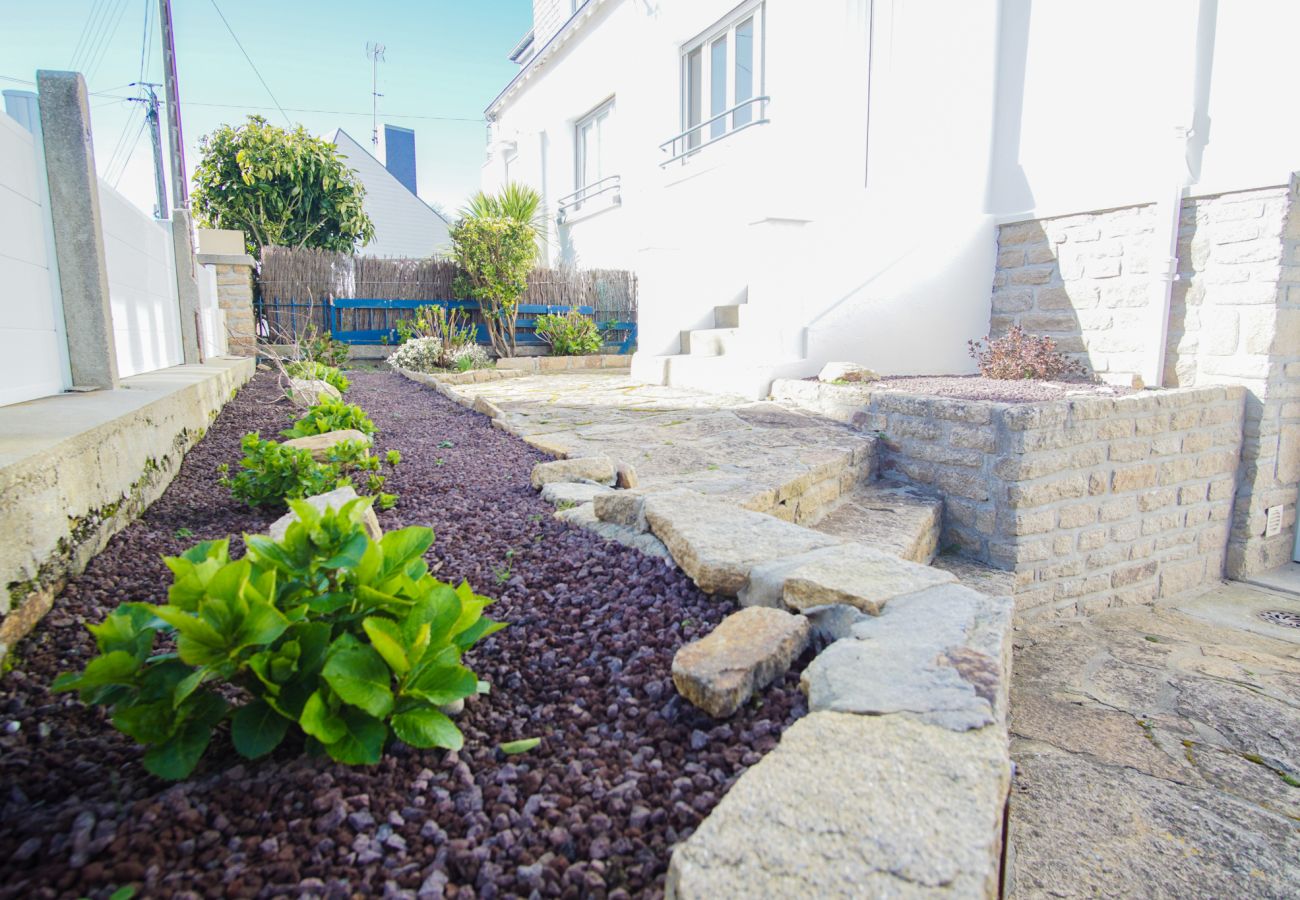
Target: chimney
(399, 154)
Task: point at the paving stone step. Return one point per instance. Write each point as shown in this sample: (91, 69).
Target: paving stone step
(711, 341)
(897, 519)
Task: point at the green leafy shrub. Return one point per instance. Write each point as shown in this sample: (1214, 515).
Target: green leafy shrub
(316, 346)
(331, 415)
(317, 371)
(326, 637)
(271, 473)
(569, 334)
(450, 327)
(496, 254)
(1018, 355)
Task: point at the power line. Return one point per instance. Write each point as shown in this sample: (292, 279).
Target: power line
(144, 43)
(251, 63)
(97, 60)
(108, 93)
(126, 160)
(89, 31)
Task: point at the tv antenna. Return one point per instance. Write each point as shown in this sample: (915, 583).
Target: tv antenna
(376, 53)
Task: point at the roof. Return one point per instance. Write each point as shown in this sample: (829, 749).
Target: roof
(562, 37)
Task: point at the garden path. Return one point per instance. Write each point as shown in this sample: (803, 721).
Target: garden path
(1157, 751)
(727, 447)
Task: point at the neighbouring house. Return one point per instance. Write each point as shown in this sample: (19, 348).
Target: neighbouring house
(404, 224)
(883, 180)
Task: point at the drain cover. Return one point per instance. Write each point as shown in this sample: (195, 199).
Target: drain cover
(1281, 617)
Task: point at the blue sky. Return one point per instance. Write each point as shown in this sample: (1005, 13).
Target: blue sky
(446, 60)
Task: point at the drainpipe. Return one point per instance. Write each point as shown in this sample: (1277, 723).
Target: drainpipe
(1164, 262)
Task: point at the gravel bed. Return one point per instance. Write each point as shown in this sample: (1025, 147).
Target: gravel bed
(977, 387)
(625, 768)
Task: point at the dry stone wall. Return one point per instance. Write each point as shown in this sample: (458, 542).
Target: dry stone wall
(1091, 502)
(1086, 281)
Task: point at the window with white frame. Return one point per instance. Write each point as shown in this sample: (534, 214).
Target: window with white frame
(592, 135)
(722, 77)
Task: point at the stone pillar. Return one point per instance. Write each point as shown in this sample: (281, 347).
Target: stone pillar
(187, 285)
(235, 298)
(78, 228)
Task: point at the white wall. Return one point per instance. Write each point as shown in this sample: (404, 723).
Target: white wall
(781, 215)
(1089, 96)
(979, 111)
(141, 286)
(404, 224)
(32, 348)
(213, 340)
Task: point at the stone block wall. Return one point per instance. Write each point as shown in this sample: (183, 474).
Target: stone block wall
(1091, 502)
(235, 299)
(1086, 281)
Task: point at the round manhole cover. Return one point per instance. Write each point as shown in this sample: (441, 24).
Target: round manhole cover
(1281, 617)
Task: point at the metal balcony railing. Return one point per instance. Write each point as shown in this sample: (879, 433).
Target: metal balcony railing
(573, 202)
(687, 142)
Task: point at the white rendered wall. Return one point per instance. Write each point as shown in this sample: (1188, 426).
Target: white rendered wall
(32, 346)
(141, 286)
(1089, 96)
(980, 111)
(212, 318)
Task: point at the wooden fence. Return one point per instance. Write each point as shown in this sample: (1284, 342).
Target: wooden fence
(297, 290)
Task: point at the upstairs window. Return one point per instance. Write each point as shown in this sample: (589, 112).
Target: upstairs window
(592, 137)
(722, 78)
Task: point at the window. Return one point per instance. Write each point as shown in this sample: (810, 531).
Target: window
(721, 73)
(592, 144)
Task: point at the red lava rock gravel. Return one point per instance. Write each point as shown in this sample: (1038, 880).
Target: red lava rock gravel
(977, 387)
(625, 768)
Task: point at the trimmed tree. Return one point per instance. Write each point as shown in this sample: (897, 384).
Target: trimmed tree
(282, 188)
(495, 245)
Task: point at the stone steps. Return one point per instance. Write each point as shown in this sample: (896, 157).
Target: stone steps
(897, 519)
(711, 341)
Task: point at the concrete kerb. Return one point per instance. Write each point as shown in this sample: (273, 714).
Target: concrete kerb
(940, 838)
(64, 494)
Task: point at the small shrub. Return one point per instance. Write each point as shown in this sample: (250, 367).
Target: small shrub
(331, 415)
(496, 253)
(570, 334)
(271, 473)
(428, 354)
(451, 328)
(316, 346)
(325, 637)
(317, 371)
(1018, 355)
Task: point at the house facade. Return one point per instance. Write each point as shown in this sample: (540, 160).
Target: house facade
(404, 224)
(883, 180)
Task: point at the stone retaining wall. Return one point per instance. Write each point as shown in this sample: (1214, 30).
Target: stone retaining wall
(1085, 280)
(560, 363)
(1092, 502)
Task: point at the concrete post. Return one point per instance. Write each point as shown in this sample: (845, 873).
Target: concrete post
(78, 228)
(187, 285)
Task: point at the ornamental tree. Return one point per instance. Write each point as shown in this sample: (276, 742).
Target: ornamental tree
(283, 188)
(496, 252)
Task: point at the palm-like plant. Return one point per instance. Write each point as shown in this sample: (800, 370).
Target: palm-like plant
(515, 201)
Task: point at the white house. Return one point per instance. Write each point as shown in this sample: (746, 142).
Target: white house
(404, 224)
(837, 170)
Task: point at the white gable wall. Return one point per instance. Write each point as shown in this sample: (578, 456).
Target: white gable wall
(404, 224)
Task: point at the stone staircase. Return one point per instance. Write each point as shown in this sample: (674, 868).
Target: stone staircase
(735, 356)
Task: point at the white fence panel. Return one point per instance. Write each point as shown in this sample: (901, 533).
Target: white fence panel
(212, 318)
(141, 286)
(32, 348)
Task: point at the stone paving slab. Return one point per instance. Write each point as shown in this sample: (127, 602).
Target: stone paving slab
(758, 455)
(1158, 752)
(855, 806)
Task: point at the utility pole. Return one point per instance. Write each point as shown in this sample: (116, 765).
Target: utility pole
(161, 208)
(376, 54)
(180, 184)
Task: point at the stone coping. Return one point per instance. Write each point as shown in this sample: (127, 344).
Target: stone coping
(561, 363)
(76, 468)
(224, 259)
